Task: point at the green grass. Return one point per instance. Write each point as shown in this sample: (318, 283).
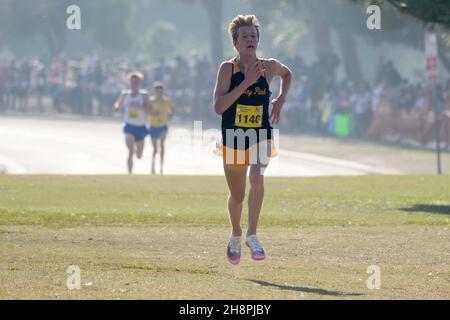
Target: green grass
(59, 201)
(370, 153)
(164, 237)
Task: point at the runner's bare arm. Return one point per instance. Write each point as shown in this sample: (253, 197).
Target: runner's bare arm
(151, 111)
(223, 99)
(171, 110)
(147, 104)
(277, 69)
(119, 103)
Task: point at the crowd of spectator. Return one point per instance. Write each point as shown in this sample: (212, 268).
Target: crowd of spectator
(90, 86)
(390, 108)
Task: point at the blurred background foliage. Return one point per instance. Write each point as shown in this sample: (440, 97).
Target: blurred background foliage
(150, 29)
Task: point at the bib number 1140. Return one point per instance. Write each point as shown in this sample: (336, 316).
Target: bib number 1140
(249, 116)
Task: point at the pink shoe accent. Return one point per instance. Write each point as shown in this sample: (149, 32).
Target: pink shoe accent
(256, 255)
(236, 261)
(233, 258)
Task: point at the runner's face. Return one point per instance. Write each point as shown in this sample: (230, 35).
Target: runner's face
(159, 91)
(135, 84)
(247, 41)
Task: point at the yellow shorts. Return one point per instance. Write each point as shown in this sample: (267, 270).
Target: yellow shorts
(244, 158)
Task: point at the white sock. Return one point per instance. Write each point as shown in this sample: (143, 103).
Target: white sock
(237, 238)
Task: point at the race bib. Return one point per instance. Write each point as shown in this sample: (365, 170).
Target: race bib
(133, 113)
(249, 116)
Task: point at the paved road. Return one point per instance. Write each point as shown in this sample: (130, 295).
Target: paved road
(75, 146)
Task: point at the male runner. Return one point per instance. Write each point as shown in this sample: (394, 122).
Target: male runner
(242, 98)
(160, 114)
(136, 106)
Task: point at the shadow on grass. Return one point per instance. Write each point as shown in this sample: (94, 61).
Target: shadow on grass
(431, 208)
(319, 291)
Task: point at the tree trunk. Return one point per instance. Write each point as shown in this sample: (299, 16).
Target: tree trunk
(350, 57)
(51, 46)
(54, 40)
(321, 30)
(442, 52)
(214, 10)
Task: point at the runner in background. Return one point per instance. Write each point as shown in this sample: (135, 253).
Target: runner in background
(136, 106)
(160, 114)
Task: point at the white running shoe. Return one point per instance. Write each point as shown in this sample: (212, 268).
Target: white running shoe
(234, 250)
(256, 249)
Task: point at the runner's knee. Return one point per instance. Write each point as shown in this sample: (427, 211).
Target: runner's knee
(237, 197)
(256, 181)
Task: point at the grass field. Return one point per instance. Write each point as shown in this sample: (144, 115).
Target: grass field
(165, 237)
(370, 153)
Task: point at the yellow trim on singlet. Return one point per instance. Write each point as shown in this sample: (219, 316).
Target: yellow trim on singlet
(235, 66)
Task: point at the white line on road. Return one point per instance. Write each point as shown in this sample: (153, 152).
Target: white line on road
(83, 146)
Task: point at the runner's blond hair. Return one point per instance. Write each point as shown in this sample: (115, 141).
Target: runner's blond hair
(242, 21)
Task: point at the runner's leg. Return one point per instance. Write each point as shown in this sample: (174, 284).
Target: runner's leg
(140, 148)
(255, 197)
(162, 142)
(236, 179)
(155, 152)
(129, 140)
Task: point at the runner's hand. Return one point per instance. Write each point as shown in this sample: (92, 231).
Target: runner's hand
(254, 72)
(275, 115)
